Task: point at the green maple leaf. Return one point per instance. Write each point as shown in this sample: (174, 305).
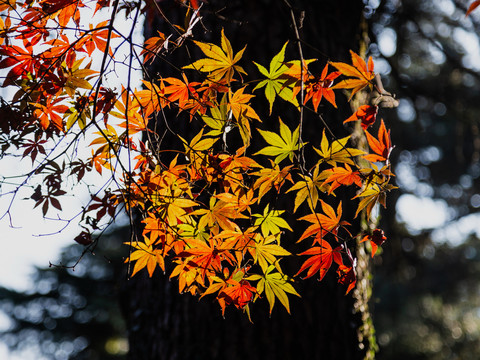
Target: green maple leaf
(309, 188)
(218, 119)
(275, 81)
(265, 251)
(275, 285)
(271, 222)
(282, 145)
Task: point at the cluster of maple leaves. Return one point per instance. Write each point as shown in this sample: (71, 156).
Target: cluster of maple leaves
(205, 214)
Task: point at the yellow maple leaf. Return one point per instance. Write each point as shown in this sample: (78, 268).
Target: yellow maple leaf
(220, 63)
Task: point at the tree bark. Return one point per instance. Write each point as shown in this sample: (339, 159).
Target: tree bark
(325, 323)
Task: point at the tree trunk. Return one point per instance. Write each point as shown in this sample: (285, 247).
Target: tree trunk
(325, 323)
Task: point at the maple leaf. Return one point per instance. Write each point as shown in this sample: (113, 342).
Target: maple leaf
(168, 201)
(472, 7)
(271, 178)
(77, 77)
(370, 196)
(238, 103)
(46, 199)
(218, 120)
(79, 113)
(106, 100)
(208, 256)
(219, 213)
(101, 160)
(50, 113)
(308, 188)
(239, 293)
(237, 240)
(23, 62)
(188, 274)
(381, 147)
(275, 285)
(220, 64)
(297, 74)
(360, 74)
(337, 151)
(366, 113)
(323, 224)
(196, 149)
(377, 238)
(239, 106)
(107, 137)
(347, 276)
(160, 233)
(32, 148)
(275, 82)
(241, 199)
(281, 146)
(265, 250)
(145, 256)
(271, 222)
(153, 46)
(320, 260)
(151, 100)
(180, 90)
(319, 87)
(341, 176)
(97, 38)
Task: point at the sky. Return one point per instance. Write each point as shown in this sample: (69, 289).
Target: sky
(24, 234)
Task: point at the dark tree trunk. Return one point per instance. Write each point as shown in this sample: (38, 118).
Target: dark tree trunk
(325, 324)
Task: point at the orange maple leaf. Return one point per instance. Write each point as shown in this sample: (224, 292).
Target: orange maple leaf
(239, 104)
(153, 46)
(319, 87)
(207, 256)
(180, 90)
(239, 293)
(271, 178)
(150, 100)
(145, 256)
(342, 176)
(323, 224)
(360, 74)
(381, 147)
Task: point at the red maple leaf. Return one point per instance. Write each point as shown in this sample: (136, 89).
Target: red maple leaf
(320, 260)
(376, 239)
(342, 176)
(472, 7)
(239, 294)
(366, 113)
(346, 276)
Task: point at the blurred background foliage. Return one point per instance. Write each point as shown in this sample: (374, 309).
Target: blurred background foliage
(70, 313)
(427, 280)
(426, 293)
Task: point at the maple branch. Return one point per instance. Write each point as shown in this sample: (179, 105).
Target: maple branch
(302, 84)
